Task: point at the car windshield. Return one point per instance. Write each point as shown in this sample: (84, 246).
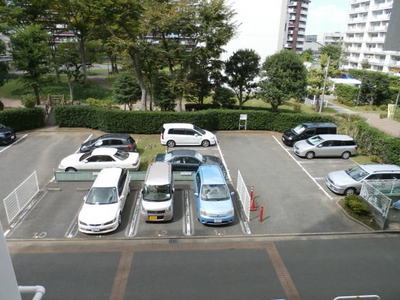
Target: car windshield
(298, 129)
(199, 156)
(84, 156)
(315, 140)
(357, 173)
(157, 192)
(121, 155)
(202, 131)
(99, 196)
(212, 192)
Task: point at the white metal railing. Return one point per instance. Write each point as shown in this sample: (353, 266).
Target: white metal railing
(244, 195)
(20, 197)
(37, 290)
(371, 297)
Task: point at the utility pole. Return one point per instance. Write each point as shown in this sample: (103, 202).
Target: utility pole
(323, 90)
(397, 101)
(358, 95)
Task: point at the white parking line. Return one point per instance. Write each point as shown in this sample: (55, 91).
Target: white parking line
(133, 226)
(305, 171)
(188, 223)
(6, 232)
(15, 142)
(88, 138)
(223, 161)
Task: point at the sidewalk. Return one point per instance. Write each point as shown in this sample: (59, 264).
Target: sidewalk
(390, 127)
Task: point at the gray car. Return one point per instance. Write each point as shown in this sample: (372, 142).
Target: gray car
(326, 145)
(348, 182)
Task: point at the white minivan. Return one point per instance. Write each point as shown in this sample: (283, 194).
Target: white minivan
(173, 134)
(158, 193)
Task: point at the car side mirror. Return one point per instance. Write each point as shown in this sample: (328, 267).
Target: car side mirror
(196, 135)
(232, 193)
(196, 194)
(319, 146)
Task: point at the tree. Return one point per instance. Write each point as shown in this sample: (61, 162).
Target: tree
(365, 64)
(284, 77)
(315, 84)
(3, 65)
(126, 89)
(307, 55)
(30, 54)
(335, 54)
(241, 70)
(223, 96)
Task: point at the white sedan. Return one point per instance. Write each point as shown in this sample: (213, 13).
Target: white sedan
(101, 158)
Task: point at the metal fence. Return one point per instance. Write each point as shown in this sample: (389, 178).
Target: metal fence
(376, 193)
(19, 198)
(244, 195)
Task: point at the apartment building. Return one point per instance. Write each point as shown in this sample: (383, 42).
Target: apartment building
(366, 34)
(296, 24)
(331, 38)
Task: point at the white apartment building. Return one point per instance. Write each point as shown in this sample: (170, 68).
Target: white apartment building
(365, 37)
(296, 24)
(331, 38)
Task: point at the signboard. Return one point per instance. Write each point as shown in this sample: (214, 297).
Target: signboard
(243, 117)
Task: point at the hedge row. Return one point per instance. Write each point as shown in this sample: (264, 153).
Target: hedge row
(151, 122)
(197, 107)
(22, 118)
(374, 141)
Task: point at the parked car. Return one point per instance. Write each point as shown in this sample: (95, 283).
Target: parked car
(101, 158)
(103, 205)
(349, 182)
(157, 194)
(307, 130)
(326, 145)
(113, 140)
(7, 135)
(214, 204)
(173, 134)
(188, 160)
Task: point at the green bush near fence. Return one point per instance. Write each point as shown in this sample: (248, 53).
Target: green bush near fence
(151, 122)
(22, 118)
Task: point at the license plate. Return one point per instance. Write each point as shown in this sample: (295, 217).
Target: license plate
(217, 220)
(153, 218)
(95, 229)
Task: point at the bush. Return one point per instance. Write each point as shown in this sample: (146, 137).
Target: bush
(151, 121)
(357, 205)
(346, 94)
(29, 100)
(22, 118)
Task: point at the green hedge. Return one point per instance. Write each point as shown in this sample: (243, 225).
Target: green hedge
(151, 122)
(22, 118)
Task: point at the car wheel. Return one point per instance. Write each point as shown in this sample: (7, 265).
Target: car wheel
(205, 143)
(119, 219)
(310, 155)
(350, 191)
(70, 169)
(171, 144)
(346, 155)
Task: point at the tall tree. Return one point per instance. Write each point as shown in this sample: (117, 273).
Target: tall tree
(126, 89)
(241, 70)
(334, 52)
(3, 65)
(284, 77)
(31, 54)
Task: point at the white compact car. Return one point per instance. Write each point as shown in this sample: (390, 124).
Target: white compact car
(176, 134)
(101, 158)
(101, 212)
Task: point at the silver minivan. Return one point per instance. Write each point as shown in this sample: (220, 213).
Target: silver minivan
(326, 145)
(157, 194)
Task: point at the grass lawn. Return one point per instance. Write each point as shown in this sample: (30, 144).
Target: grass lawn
(97, 72)
(363, 159)
(362, 108)
(148, 147)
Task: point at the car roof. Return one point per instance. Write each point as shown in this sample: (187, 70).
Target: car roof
(158, 173)
(376, 168)
(108, 177)
(312, 125)
(183, 152)
(178, 125)
(335, 137)
(104, 151)
(114, 135)
(211, 174)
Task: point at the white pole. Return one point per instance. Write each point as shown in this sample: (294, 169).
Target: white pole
(323, 90)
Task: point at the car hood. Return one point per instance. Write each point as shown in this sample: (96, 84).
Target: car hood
(70, 160)
(98, 214)
(341, 178)
(288, 134)
(209, 135)
(160, 157)
(303, 145)
(156, 205)
(220, 207)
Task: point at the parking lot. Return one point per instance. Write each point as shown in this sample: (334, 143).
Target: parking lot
(291, 189)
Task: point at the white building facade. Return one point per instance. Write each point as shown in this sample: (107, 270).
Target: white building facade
(365, 37)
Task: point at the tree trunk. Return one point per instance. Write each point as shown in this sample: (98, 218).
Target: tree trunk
(71, 90)
(140, 78)
(82, 52)
(37, 94)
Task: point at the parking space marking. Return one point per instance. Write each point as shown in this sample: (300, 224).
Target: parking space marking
(88, 138)
(319, 178)
(6, 232)
(305, 171)
(15, 142)
(224, 162)
(132, 228)
(188, 227)
(72, 230)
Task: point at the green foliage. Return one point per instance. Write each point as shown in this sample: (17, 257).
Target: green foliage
(357, 205)
(126, 90)
(151, 122)
(108, 103)
(3, 65)
(22, 118)
(285, 77)
(1, 106)
(223, 97)
(346, 94)
(334, 52)
(307, 55)
(163, 93)
(28, 100)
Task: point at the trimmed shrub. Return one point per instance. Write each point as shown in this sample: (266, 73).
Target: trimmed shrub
(151, 121)
(22, 118)
(346, 94)
(29, 100)
(357, 205)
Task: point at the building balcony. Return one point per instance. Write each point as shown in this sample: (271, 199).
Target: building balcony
(383, 17)
(394, 63)
(378, 28)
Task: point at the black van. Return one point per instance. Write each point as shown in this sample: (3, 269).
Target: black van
(7, 135)
(307, 130)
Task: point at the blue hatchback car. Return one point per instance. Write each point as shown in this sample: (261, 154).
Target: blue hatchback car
(214, 204)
